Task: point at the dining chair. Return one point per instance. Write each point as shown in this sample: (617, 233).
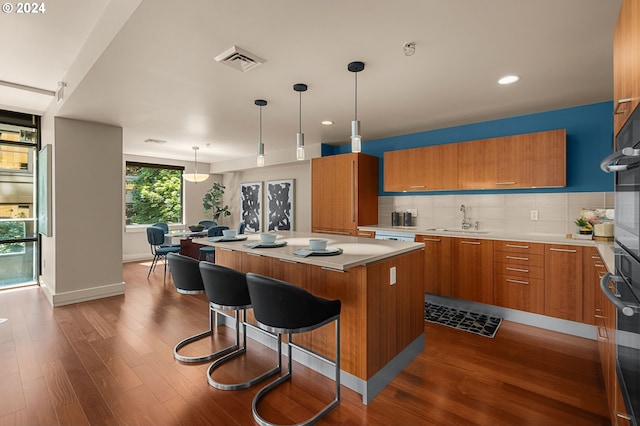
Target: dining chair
(167, 239)
(208, 251)
(155, 237)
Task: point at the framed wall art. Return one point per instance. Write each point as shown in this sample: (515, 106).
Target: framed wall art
(251, 206)
(280, 205)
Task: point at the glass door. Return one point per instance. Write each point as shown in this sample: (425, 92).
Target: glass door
(18, 210)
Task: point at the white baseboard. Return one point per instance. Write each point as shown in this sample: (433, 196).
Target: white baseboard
(84, 295)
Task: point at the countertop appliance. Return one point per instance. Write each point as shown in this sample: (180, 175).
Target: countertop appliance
(625, 163)
(397, 236)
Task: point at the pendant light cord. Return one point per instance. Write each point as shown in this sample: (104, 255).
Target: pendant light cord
(260, 125)
(300, 116)
(356, 96)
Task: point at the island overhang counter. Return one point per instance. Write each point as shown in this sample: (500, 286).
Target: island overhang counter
(379, 284)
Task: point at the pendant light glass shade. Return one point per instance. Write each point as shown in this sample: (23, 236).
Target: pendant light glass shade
(300, 87)
(260, 158)
(195, 177)
(356, 139)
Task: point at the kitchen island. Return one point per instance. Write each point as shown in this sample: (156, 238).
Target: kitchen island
(379, 284)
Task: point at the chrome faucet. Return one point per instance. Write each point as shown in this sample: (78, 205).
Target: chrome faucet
(466, 224)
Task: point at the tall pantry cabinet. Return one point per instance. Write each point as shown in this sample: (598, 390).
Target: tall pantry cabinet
(344, 193)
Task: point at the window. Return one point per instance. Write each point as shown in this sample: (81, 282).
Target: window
(153, 193)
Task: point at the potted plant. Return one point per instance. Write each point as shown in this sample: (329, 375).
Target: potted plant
(212, 202)
(584, 227)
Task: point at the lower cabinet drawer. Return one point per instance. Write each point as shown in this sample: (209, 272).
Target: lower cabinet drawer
(521, 293)
(526, 271)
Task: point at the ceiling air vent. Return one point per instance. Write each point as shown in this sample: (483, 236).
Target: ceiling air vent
(239, 59)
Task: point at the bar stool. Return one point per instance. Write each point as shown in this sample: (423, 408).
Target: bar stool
(283, 308)
(187, 279)
(227, 289)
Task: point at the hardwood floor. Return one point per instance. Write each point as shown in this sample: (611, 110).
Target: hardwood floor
(110, 362)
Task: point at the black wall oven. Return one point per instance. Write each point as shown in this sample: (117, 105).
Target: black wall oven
(625, 163)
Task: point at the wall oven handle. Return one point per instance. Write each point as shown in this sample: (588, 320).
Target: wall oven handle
(607, 166)
(604, 286)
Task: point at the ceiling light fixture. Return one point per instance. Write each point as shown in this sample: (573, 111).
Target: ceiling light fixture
(260, 160)
(409, 48)
(508, 79)
(326, 122)
(195, 177)
(356, 139)
(300, 87)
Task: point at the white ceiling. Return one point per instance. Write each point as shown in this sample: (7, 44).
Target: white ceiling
(157, 77)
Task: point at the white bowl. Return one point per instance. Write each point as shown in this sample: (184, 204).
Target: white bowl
(268, 238)
(318, 243)
(229, 233)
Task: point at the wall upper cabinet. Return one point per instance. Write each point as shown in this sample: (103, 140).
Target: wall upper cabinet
(430, 168)
(520, 161)
(626, 66)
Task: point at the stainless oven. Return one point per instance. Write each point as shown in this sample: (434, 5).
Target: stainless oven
(625, 163)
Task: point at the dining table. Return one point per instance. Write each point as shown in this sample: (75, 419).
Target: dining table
(187, 246)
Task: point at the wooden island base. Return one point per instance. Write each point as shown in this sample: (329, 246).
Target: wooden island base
(382, 324)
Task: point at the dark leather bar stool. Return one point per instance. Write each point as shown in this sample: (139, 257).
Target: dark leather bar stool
(283, 308)
(226, 288)
(187, 279)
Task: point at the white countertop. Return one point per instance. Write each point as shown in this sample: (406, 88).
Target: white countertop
(604, 248)
(355, 251)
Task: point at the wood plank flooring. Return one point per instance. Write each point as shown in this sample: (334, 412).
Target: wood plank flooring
(110, 362)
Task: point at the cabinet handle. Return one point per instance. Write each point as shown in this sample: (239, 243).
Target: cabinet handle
(471, 242)
(332, 270)
(364, 234)
(517, 258)
(505, 183)
(327, 231)
(353, 191)
(288, 261)
(595, 257)
(599, 316)
(564, 250)
(598, 265)
(254, 254)
(620, 103)
(623, 416)
(417, 186)
(517, 281)
(435, 240)
(516, 246)
(224, 249)
(517, 270)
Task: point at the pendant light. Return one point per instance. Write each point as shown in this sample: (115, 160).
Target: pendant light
(356, 139)
(260, 160)
(300, 87)
(195, 177)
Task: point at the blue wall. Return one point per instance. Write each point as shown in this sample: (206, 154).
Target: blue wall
(589, 140)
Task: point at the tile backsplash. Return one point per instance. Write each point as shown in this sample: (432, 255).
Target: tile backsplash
(497, 212)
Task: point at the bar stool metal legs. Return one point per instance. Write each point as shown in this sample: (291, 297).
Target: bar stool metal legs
(239, 350)
(209, 332)
(336, 363)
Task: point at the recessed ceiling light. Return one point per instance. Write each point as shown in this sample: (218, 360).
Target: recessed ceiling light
(508, 79)
(327, 122)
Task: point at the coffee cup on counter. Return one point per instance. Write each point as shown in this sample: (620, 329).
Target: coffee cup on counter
(229, 233)
(268, 238)
(318, 244)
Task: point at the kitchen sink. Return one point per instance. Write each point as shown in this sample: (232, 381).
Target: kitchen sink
(457, 230)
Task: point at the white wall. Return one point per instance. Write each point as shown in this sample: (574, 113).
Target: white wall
(82, 260)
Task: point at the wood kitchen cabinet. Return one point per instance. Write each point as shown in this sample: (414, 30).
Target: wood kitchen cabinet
(563, 281)
(437, 264)
(344, 193)
(472, 275)
(429, 168)
(626, 63)
(519, 276)
(592, 268)
(518, 161)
